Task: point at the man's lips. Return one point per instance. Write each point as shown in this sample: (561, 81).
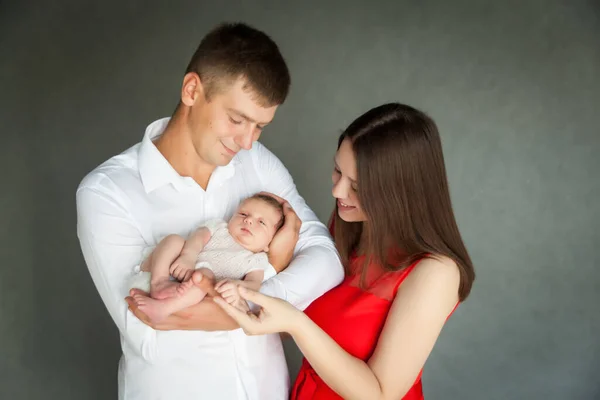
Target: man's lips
(228, 150)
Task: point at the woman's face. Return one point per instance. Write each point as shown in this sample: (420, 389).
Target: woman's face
(345, 185)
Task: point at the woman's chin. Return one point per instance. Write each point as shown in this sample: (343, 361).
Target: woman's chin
(348, 216)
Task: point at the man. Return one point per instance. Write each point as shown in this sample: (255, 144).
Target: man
(192, 167)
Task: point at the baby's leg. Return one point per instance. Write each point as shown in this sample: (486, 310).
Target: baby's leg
(158, 263)
(157, 310)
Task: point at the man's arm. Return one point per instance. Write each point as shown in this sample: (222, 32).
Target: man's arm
(316, 267)
(112, 246)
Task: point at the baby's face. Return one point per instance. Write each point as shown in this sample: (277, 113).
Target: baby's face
(254, 224)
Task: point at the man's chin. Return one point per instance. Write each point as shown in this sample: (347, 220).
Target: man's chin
(222, 161)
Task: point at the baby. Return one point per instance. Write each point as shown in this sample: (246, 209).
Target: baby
(230, 254)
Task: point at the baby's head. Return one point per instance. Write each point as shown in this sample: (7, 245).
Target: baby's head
(256, 221)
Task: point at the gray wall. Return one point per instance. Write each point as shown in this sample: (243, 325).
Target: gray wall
(514, 87)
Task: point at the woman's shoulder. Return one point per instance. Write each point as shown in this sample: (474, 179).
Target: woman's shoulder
(438, 265)
(434, 272)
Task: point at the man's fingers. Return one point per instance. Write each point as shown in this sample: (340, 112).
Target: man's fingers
(137, 291)
(136, 311)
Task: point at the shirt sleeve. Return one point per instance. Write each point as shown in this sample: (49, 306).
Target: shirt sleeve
(316, 266)
(112, 246)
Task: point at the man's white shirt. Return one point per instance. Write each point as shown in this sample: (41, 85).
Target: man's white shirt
(135, 199)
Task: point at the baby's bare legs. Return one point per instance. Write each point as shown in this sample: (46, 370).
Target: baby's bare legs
(158, 264)
(188, 294)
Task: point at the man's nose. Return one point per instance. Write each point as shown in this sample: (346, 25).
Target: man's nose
(245, 140)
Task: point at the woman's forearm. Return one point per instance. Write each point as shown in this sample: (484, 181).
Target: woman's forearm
(348, 376)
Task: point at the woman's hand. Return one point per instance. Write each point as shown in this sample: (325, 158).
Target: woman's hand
(275, 315)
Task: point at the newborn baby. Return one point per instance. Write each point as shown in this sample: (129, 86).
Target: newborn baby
(230, 253)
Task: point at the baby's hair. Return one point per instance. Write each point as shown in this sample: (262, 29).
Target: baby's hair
(270, 200)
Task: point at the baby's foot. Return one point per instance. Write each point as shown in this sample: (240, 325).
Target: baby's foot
(163, 289)
(183, 287)
(156, 310)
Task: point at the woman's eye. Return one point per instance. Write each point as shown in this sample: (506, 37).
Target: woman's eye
(336, 171)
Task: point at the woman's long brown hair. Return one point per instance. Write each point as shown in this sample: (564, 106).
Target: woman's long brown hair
(403, 190)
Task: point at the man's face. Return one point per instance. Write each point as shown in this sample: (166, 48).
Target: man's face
(232, 120)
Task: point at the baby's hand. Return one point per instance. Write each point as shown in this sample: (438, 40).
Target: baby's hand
(228, 289)
(182, 268)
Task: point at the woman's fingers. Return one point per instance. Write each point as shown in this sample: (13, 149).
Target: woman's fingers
(244, 319)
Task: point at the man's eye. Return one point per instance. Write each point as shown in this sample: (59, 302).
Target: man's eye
(337, 171)
(233, 121)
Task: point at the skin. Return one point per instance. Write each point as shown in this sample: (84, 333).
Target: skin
(418, 313)
(203, 135)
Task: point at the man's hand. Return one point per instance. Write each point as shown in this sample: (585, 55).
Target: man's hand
(281, 249)
(204, 316)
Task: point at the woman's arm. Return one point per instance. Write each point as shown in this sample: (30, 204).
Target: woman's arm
(420, 309)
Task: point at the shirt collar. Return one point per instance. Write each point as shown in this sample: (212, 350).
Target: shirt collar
(156, 171)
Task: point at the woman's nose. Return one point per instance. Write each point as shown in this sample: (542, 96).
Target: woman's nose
(338, 190)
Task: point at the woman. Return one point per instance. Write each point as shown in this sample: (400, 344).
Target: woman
(406, 266)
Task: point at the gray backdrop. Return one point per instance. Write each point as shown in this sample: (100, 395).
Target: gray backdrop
(513, 86)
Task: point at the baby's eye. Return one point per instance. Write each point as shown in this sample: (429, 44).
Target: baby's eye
(243, 214)
(263, 222)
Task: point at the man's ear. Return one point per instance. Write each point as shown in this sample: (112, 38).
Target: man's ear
(192, 89)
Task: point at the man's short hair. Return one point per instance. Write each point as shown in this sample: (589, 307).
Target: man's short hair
(236, 50)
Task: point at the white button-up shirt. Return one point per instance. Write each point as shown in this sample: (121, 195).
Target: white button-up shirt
(135, 199)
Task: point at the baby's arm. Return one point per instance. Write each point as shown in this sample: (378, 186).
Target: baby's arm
(253, 279)
(183, 266)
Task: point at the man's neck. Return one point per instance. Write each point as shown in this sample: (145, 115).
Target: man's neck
(175, 144)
